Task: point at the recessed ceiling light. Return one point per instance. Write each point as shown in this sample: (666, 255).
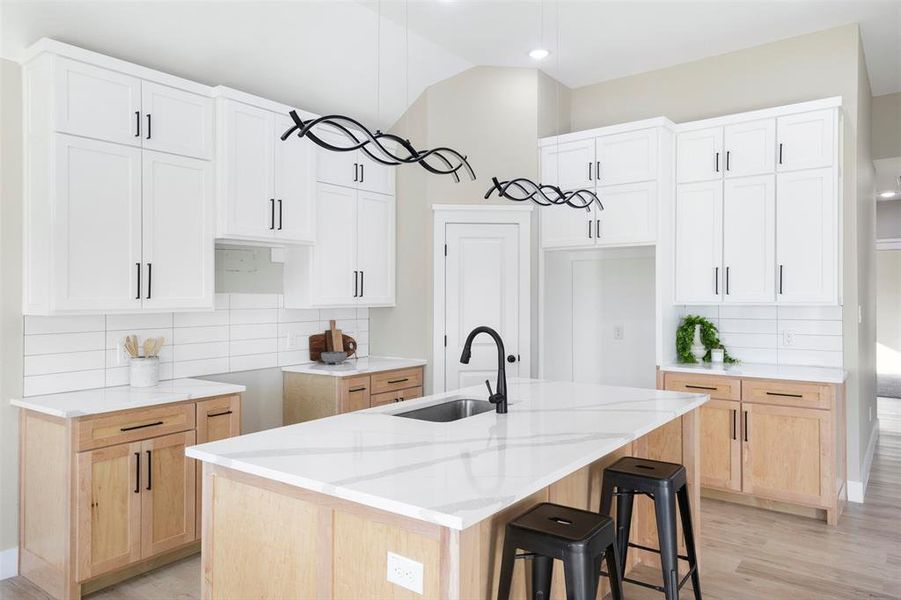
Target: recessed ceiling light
(886, 194)
(539, 53)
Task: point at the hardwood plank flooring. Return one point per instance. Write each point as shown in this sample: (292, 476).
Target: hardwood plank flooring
(746, 553)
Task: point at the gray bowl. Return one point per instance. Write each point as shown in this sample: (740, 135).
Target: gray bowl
(333, 358)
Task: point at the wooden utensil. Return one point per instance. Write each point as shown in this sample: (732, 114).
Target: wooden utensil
(131, 345)
(148, 347)
(334, 340)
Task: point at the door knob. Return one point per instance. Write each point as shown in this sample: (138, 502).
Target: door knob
(511, 358)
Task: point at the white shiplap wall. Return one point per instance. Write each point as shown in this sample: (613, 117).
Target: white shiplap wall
(782, 335)
(245, 332)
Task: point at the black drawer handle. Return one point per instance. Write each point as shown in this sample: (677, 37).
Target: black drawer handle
(785, 395)
(747, 426)
(149, 471)
(133, 427)
(359, 389)
(734, 418)
(222, 414)
(137, 472)
(700, 387)
(399, 380)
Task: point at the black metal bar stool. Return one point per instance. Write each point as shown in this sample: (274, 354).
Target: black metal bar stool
(579, 538)
(665, 484)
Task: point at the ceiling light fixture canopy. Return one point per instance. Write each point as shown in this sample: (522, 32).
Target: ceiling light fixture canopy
(539, 54)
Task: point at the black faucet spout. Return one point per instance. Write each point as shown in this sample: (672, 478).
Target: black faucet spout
(499, 398)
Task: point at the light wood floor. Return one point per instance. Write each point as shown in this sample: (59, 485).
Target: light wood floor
(747, 553)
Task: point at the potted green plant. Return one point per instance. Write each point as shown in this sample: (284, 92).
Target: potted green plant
(708, 335)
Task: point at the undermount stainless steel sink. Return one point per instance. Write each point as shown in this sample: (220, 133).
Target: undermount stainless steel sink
(452, 410)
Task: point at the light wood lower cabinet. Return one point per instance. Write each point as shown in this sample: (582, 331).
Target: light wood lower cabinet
(109, 496)
(771, 442)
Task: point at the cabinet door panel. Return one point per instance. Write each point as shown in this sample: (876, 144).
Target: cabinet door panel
(167, 500)
(108, 509)
(176, 121)
(217, 419)
(249, 147)
(294, 186)
(720, 447)
(626, 157)
(353, 394)
(699, 242)
(749, 239)
(335, 253)
(375, 177)
(336, 168)
(97, 103)
(806, 237)
(569, 165)
(178, 242)
(699, 155)
(96, 226)
(629, 215)
(786, 452)
(806, 140)
(375, 247)
(750, 148)
(566, 227)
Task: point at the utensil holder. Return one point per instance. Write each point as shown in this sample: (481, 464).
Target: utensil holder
(144, 371)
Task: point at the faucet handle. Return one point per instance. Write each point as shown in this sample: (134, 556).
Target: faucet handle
(492, 397)
(488, 385)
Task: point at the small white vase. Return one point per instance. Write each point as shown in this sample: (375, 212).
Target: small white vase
(717, 356)
(697, 347)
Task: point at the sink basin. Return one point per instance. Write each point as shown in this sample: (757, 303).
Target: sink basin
(453, 410)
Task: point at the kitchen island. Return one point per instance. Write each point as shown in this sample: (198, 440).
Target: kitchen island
(314, 509)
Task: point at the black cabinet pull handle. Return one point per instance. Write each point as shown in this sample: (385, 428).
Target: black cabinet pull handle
(399, 380)
(589, 171)
(734, 419)
(785, 395)
(780, 279)
(716, 281)
(727, 281)
(271, 213)
(362, 273)
(149, 471)
(356, 284)
(589, 229)
(511, 359)
(780, 153)
(700, 387)
(356, 176)
(747, 425)
(133, 427)
(222, 414)
(137, 123)
(137, 472)
(728, 153)
(138, 295)
(597, 171)
(362, 173)
(149, 279)
(358, 389)
(280, 214)
(716, 163)
(148, 126)
(597, 228)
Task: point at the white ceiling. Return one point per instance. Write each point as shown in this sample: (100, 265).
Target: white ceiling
(322, 56)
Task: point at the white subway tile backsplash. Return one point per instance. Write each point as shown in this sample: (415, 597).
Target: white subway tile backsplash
(761, 341)
(811, 358)
(245, 332)
(825, 313)
(754, 355)
(747, 312)
(748, 326)
(832, 343)
(810, 327)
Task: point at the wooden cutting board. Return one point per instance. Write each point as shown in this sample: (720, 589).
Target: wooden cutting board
(318, 345)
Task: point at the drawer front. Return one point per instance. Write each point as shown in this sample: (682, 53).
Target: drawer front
(398, 396)
(719, 388)
(391, 381)
(132, 425)
(787, 393)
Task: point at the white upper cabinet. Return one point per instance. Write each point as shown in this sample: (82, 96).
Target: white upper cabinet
(699, 243)
(807, 237)
(177, 237)
(95, 219)
(749, 239)
(567, 227)
(626, 157)
(563, 226)
(335, 273)
(176, 121)
(699, 155)
(806, 140)
(750, 148)
(97, 103)
(569, 165)
(374, 176)
(295, 186)
(352, 169)
(629, 215)
(375, 248)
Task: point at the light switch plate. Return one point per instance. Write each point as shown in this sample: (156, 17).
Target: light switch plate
(405, 572)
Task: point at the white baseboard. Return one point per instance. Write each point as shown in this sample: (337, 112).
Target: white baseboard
(858, 489)
(9, 563)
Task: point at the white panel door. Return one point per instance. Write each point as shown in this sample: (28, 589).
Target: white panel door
(177, 121)
(699, 155)
(97, 103)
(337, 168)
(699, 242)
(335, 280)
(806, 237)
(373, 176)
(482, 288)
(749, 239)
(629, 215)
(626, 157)
(750, 148)
(375, 248)
(96, 226)
(249, 160)
(294, 185)
(178, 238)
(806, 140)
(569, 165)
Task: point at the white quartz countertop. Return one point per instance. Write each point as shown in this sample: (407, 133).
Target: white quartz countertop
(761, 371)
(356, 366)
(453, 474)
(111, 399)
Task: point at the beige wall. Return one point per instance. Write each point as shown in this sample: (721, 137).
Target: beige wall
(817, 65)
(10, 293)
(888, 311)
(888, 219)
(886, 126)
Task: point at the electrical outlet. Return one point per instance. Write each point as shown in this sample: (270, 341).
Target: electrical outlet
(405, 572)
(788, 338)
(617, 332)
